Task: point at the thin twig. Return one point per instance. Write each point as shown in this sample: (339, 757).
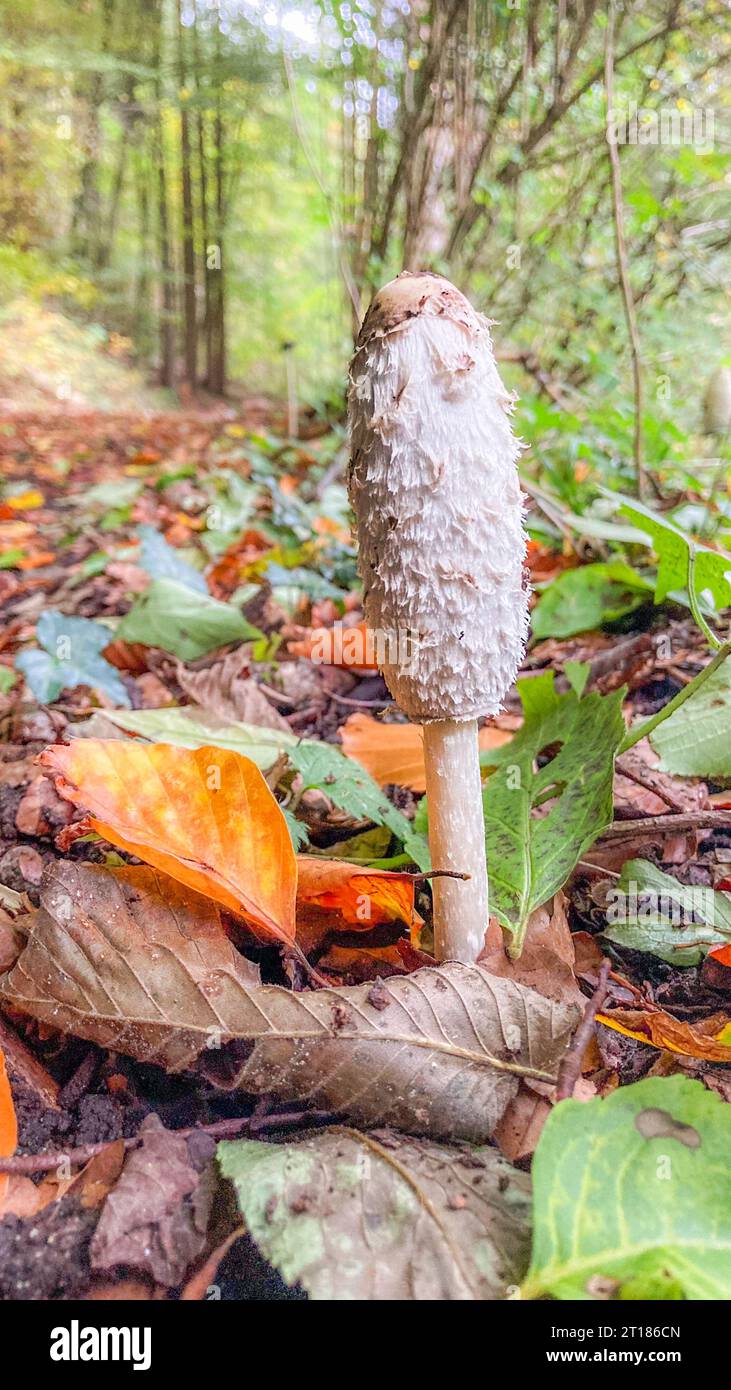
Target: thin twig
(359, 704)
(667, 825)
(622, 266)
(643, 777)
(570, 1069)
(220, 1129)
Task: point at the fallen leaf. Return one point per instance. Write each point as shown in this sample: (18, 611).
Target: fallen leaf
(439, 1051)
(156, 1217)
(395, 752)
(546, 963)
(132, 959)
(362, 898)
(25, 501)
(221, 691)
(204, 816)
(91, 1186)
(179, 620)
(382, 1217)
(661, 1030)
(352, 647)
(8, 1122)
(522, 1125)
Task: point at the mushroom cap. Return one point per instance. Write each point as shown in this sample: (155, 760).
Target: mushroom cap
(434, 487)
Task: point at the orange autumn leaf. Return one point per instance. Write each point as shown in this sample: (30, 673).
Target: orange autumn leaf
(661, 1030)
(364, 898)
(205, 816)
(395, 752)
(36, 561)
(351, 647)
(8, 1122)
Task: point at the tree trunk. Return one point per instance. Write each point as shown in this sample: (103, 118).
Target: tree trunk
(189, 276)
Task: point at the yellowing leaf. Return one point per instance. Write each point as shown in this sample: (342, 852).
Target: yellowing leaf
(25, 501)
(205, 816)
(662, 1030)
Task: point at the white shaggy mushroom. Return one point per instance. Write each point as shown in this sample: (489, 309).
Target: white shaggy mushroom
(434, 487)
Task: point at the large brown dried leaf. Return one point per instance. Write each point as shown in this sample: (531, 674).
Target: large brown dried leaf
(131, 959)
(440, 1051)
(384, 1217)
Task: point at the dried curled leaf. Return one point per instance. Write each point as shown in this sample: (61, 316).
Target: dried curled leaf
(205, 816)
(382, 1216)
(440, 1051)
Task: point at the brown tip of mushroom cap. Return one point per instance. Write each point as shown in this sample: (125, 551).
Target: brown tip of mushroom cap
(411, 294)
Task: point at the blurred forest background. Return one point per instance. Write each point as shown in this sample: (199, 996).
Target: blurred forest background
(200, 196)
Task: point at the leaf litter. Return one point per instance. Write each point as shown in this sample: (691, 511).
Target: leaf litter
(169, 990)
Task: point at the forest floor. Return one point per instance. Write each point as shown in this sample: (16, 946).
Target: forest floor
(265, 518)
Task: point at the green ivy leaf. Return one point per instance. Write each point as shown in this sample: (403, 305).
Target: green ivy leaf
(634, 1189)
(530, 857)
(71, 656)
(163, 561)
(177, 619)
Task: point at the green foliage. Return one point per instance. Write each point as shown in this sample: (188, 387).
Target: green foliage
(70, 655)
(648, 910)
(588, 597)
(163, 561)
(530, 857)
(696, 740)
(633, 1193)
(684, 564)
(179, 620)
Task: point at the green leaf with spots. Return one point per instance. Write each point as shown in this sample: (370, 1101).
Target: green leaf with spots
(632, 1194)
(585, 598)
(175, 618)
(382, 1217)
(648, 910)
(530, 856)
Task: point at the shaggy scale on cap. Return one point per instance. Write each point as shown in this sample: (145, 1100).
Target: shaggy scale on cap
(434, 487)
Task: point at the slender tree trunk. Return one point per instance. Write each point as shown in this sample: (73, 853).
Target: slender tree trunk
(166, 309)
(217, 366)
(208, 251)
(85, 233)
(189, 276)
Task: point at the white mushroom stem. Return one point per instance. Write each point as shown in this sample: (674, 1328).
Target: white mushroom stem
(456, 837)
